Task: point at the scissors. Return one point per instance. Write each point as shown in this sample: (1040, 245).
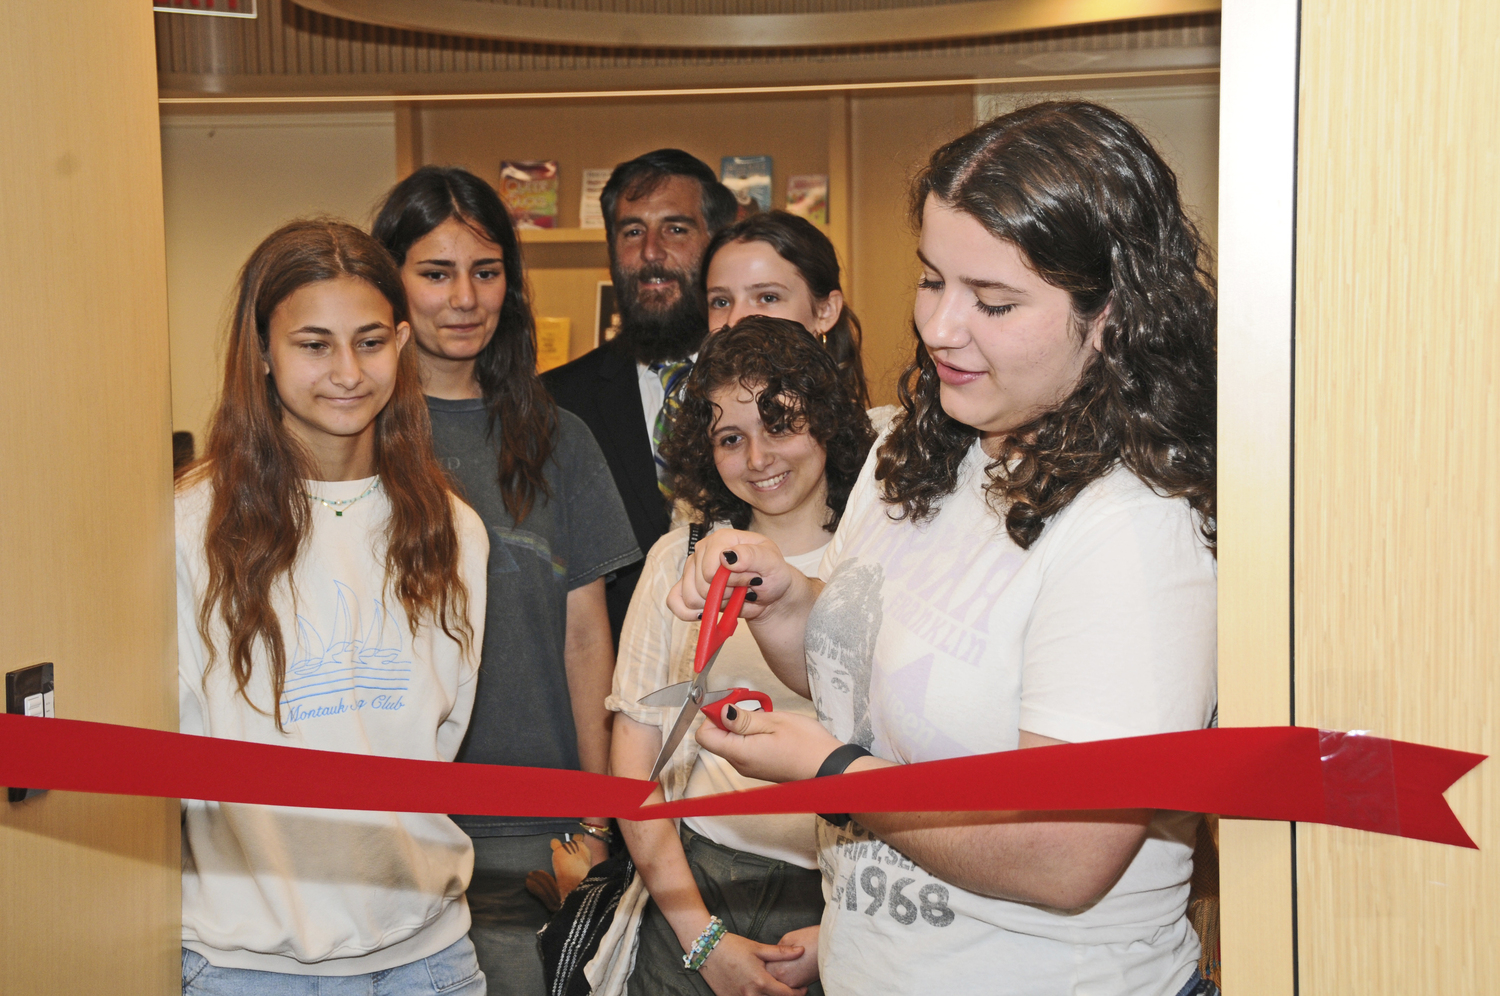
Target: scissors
(694, 695)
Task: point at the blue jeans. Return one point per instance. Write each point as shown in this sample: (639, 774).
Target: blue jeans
(1198, 986)
(453, 971)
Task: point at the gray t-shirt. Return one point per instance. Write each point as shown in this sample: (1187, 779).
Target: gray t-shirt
(522, 712)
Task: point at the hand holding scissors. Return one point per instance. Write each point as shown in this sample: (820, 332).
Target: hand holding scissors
(752, 560)
(713, 631)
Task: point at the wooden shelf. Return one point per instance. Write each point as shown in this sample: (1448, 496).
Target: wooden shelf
(561, 234)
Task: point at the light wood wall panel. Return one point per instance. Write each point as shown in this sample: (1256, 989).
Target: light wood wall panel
(89, 885)
(1398, 430)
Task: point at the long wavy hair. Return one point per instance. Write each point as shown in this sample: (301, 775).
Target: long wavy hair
(1096, 212)
(799, 242)
(520, 409)
(259, 514)
(800, 390)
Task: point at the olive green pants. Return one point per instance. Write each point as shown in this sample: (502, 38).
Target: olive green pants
(759, 898)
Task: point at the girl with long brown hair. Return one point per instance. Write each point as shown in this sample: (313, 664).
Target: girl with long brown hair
(557, 528)
(1026, 559)
(330, 591)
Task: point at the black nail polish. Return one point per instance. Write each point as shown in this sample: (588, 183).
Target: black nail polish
(700, 615)
(749, 596)
(729, 557)
(731, 713)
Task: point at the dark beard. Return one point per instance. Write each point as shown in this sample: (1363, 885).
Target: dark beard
(650, 335)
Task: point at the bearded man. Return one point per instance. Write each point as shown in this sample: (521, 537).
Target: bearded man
(660, 211)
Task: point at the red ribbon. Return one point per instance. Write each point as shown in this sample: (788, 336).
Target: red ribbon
(1272, 773)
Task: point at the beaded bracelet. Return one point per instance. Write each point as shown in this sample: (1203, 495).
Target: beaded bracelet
(704, 945)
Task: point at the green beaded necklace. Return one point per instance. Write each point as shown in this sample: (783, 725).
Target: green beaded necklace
(343, 503)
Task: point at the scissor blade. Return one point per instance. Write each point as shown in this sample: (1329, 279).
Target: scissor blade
(690, 708)
(669, 696)
(677, 693)
(673, 694)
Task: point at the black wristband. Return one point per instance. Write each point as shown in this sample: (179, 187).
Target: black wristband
(836, 764)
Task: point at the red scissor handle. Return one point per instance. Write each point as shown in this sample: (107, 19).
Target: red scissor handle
(715, 710)
(715, 628)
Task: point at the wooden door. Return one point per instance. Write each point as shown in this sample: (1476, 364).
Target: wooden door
(1397, 524)
(89, 884)
(1359, 423)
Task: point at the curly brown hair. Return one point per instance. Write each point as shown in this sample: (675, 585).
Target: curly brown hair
(1094, 211)
(800, 390)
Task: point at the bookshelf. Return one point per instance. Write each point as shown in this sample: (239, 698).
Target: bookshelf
(565, 236)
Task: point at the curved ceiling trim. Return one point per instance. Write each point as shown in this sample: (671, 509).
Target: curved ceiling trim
(601, 29)
(1157, 76)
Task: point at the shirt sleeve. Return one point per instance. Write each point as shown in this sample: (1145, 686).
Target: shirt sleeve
(1122, 638)
(643, 663)
(599, 539)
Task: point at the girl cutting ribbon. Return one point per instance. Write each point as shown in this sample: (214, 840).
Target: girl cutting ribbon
(330, 594)
(1026, 559)
(766, 439)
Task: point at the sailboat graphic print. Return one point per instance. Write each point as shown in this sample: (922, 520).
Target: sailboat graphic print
(359, 667)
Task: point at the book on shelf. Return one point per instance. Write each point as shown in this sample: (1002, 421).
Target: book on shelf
(807, 197)
(529, 190)
(590, 214)
(749, 178)
(552, 335)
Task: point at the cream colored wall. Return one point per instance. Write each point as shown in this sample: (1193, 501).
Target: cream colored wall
(1182, 121)
(229, 180)
(890, 137)
(89, 884)
(1397, 434)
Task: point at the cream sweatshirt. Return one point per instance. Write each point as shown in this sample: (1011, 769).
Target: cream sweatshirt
(329, 892)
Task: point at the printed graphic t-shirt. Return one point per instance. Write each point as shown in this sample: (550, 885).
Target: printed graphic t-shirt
(328, 892)
(944, 639)
(523, 714)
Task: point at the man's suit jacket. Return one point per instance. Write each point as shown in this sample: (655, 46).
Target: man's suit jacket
(602, 387)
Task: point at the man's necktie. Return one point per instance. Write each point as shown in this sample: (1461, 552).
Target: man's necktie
(673, 374)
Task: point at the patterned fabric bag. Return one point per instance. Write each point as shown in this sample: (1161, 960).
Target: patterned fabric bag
(569, 940)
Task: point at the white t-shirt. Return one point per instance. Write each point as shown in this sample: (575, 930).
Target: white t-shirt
(312, 891)
(656, 650)
(944, 639)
